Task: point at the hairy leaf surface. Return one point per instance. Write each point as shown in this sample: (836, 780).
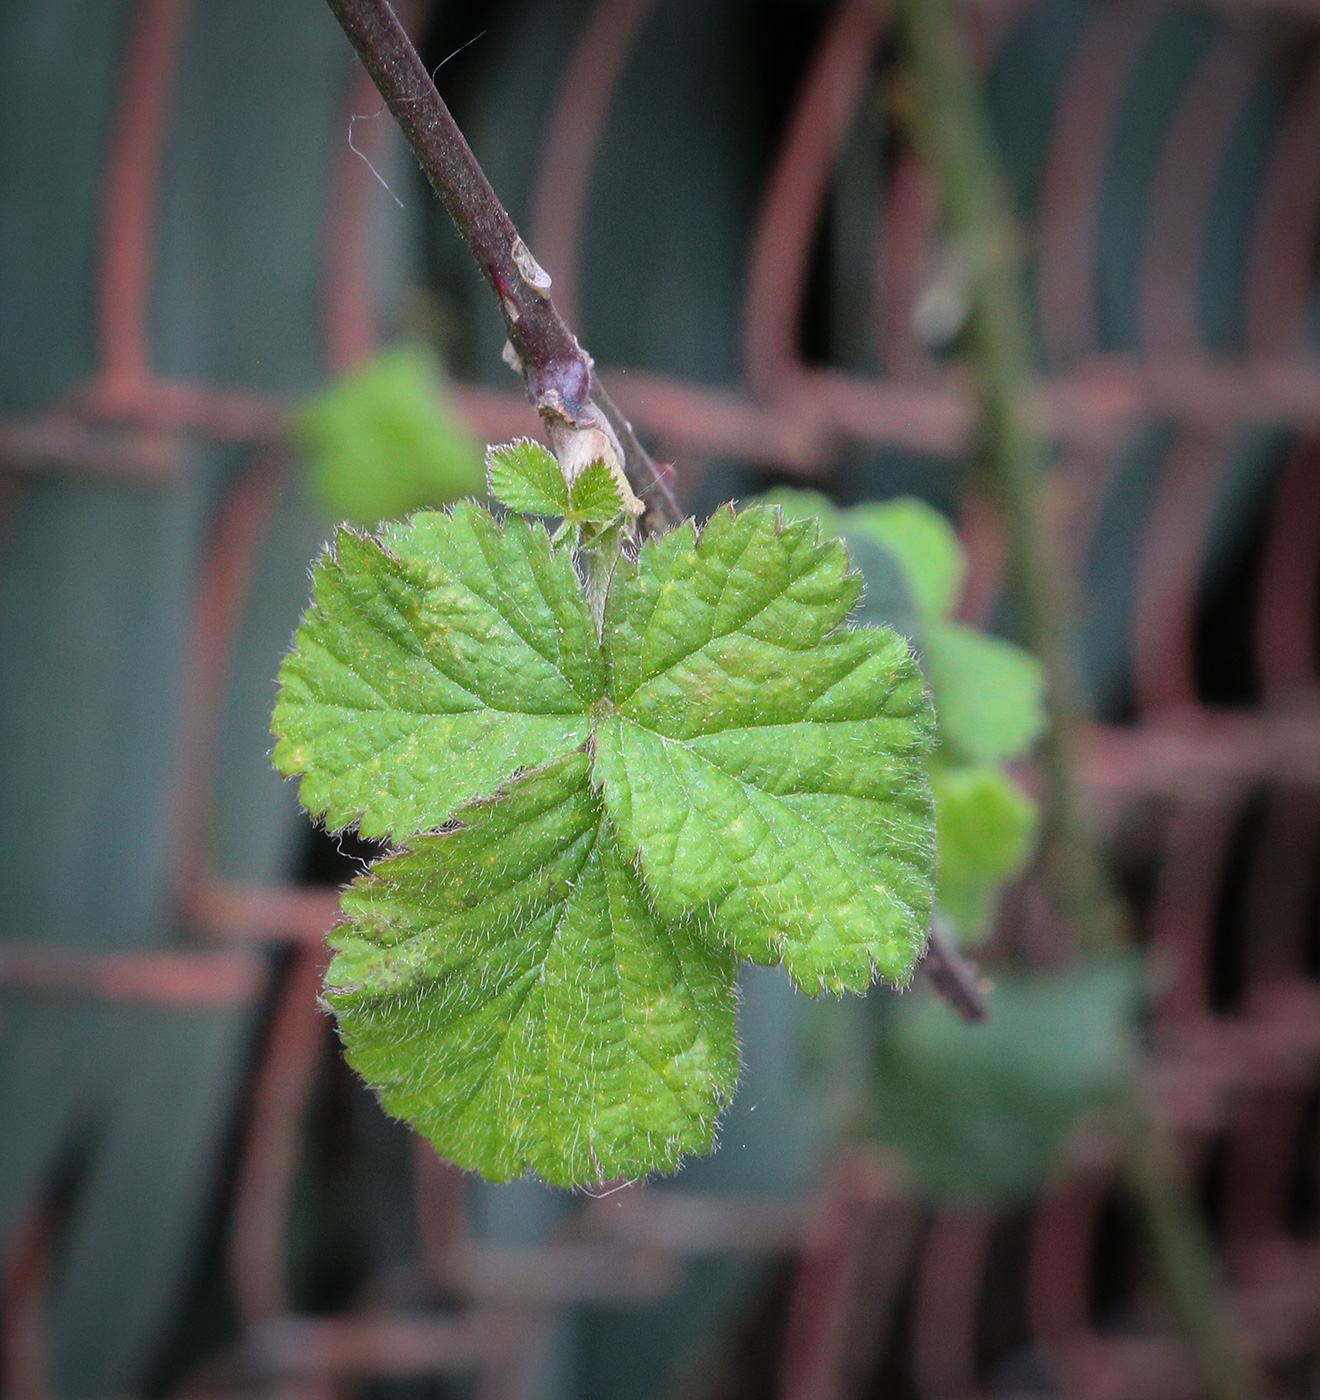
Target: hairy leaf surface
(433, 663)
(594, 497)
(526, 476)
(509, 991)
(988, 693)
(765, 762)
(543, 979)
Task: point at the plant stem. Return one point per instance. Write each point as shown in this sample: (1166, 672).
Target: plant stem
(957, 139)
(559, 375)
(953, 977)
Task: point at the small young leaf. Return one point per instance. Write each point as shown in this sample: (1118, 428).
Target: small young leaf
(989, 693)
(982, 1111)
(509, 991)
(431, 666)
(385, 439)
(595, 497)
(986, 827)
(765, 762)
(525, 476)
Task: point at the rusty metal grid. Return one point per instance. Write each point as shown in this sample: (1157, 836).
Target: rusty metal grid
(1241, 1080)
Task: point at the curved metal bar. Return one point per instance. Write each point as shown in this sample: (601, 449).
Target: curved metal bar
(859, 1241)
(904, 244)
(1182, 191)
(1070, 202)
(1059, 1267)
(274, 1129)
(586, 92)
(223, 588)
(348, 312)
(1182, 920)
(129, 211)
(1287, 586)
(1168, 572)
(781, 246)
(1287, 228)
(947, 1304)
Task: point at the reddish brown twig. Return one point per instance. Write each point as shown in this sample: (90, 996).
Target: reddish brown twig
(558, 373)
(953, 978)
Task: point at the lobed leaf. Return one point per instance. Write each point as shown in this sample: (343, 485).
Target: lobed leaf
(431, 666)
(765, 763)
(510, 992)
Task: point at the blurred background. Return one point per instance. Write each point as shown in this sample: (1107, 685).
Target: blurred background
(205, 219)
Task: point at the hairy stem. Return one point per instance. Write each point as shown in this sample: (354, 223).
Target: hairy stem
(559, 375)
(956, 136)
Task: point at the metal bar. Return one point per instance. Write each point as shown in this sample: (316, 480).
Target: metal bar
(781, 246)
(132, 171)
(1287, 228)
(348, 312)
(226, 579)
(1168, 572)
(1070, 202)
(164, 978)
(947, 1304)
(63, 442)
(1182, 191)
(279, 1098)
(577, 125)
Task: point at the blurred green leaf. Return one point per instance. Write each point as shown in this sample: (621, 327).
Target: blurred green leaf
(923, 542)
(988, 693)
(986, 826)
(982, 1111)
(384, 440)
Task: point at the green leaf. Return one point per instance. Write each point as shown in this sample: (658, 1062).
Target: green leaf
(765, 762)
(925, 544)
(385, 439)
(986, 826)
(989, 693)
(982, 1112)
(544, 980)
(890, 599)
(525, 476)
(508, 989)
(595, 497)
(432, 665)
